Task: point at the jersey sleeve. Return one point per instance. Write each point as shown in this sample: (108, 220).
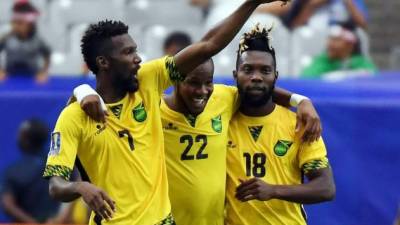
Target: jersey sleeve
(313, 156)
(231, 97)
(64, 145)
(159, 74)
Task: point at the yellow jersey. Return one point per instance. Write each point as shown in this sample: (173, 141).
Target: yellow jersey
(268, 148)
(196, 159)
(124, 157)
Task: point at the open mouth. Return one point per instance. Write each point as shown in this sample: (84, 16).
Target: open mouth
(199, 101)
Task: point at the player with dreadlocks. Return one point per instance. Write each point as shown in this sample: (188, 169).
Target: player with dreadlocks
(266, 159)
(122, 162)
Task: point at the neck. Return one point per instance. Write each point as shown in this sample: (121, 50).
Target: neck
(177, 104)
(257, 111)
(109, 92)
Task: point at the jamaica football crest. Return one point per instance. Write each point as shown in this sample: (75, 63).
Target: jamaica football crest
(216, 124)
(281, 147)
(139, 113)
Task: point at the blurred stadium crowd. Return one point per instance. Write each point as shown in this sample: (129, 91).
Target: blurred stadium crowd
(302, 29)
(328, 39)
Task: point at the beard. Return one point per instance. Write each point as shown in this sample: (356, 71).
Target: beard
(247, 99)
(131, 84)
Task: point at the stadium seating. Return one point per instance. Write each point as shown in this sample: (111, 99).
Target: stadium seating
(143, 12)
(63, 21)
(306, 42)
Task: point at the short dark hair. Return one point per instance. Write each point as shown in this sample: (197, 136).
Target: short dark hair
(37, 132)
(24, 7)
(179, 38)
(258, 39)
(97, 38)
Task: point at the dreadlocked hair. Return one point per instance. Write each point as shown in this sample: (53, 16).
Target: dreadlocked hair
(257, 39)
(97, 40)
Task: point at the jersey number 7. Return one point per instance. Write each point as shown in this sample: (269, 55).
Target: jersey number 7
(126, 133)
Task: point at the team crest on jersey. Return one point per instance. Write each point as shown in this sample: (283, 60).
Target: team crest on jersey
(139, 113)
(216, 124)
(281, 147)
(55, 143)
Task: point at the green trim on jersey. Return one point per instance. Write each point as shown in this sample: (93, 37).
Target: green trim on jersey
(59, 171)
(167, 221)
(315, 165)
(255, 132)
(191, 119)
(173, 72)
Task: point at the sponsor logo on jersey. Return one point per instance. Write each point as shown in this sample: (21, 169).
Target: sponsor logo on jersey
(231, 144)
(100, 128)
(170, 126)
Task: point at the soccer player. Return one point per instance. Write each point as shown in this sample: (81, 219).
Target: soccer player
(266, 159)
(195, 119)
(123, 161)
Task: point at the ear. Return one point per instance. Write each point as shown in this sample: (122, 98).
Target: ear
(276, 75)
(234, 72)
(102, 62)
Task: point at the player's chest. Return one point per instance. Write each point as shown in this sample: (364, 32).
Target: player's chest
(261, 143)
(130, 127)
(205, 141)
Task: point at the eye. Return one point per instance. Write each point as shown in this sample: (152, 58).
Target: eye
(130, 51)
(266, 71)
(246, 69)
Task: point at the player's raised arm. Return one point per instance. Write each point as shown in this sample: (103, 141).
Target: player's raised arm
(217, 38)
(307, 117)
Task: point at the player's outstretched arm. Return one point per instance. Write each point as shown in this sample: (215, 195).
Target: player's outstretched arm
(94, 197)
(320, 188)
(217, 38)
(307, 117)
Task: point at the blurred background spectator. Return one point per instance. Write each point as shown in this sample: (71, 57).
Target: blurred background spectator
(306, 21)
(303, 40)
(24, 194)
(175, 42)
(26, 54)
(322, 12)
(342, 57)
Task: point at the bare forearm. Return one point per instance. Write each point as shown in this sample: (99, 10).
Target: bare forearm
(226, 30)
(215, 40)
(355, 14)
(46, 64)
(303, 193)
(14, 210)
(63, 190)
(307, 12)
(282, 97)
(319, 189)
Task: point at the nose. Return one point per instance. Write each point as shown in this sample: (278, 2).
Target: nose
(137, 59)
(256, 77)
